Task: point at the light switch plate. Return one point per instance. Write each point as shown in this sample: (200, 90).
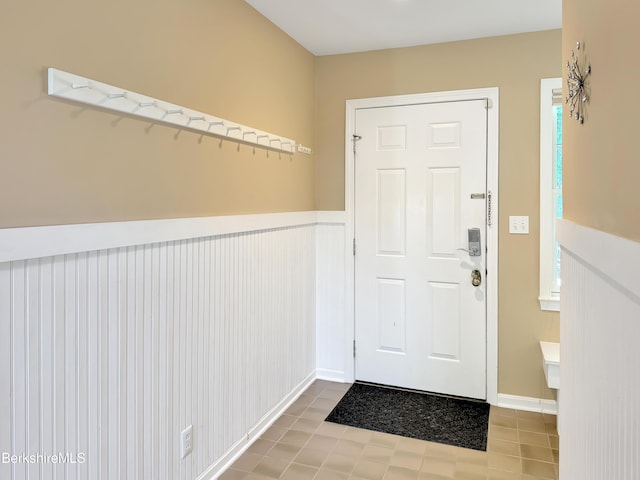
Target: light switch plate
(519, 225)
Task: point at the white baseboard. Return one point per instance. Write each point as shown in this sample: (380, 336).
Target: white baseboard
(527, 403)
(215, 470)
(331, 375)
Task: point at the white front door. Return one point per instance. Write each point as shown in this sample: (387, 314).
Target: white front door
(420, 184)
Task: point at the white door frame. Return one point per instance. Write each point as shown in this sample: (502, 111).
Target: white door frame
(492, 96)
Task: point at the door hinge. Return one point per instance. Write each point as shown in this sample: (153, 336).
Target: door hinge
(354, 247)
(355, 139)
(354, 349)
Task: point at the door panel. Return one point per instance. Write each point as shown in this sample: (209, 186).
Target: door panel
(445, 328)
(444, 135)
(391, 317)
(420, 323)
(392, 137)
(443, 221)
(391, 196)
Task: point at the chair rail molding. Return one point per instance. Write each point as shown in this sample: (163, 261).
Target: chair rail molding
(32, 242)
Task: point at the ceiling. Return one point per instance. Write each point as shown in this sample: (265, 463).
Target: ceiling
(326, 27)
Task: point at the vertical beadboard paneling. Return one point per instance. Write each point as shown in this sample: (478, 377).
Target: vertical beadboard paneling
(82, 359)
(5, 366)
(600, 374)
(46, 363)
(112, 353)
(32, 375)
(19, 392)
(71, 371)
(162, 364)
(330, 301)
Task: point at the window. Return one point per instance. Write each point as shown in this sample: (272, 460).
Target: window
(550, 191)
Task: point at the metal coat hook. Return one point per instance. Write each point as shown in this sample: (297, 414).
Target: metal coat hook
(258, 137)
(230, 129)
(195, 119)
(248, 133)
(143, 105)
(291, 147)
(171, 112)
(275, 140)
(214, 123)
(75, 86)
(111, 96)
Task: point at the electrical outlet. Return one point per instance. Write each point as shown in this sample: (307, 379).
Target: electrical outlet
(519, 225)
(186, 441)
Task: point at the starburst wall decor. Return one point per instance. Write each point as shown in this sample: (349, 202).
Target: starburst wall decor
(577, 87)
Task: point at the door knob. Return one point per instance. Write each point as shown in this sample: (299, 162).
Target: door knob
(476, 278)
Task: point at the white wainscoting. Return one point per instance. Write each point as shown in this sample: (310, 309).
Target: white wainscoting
(600, 369)
(331, 337)
(111, 352)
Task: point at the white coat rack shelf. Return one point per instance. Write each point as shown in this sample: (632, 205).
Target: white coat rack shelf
(80, 89)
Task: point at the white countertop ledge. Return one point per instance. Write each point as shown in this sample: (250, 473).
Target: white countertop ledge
(551, 363)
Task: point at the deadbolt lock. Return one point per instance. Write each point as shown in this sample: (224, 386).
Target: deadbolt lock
(476, 278)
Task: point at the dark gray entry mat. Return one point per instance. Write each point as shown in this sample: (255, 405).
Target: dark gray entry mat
(435, 418)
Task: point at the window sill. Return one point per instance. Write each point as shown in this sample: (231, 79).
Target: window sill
(551, 304)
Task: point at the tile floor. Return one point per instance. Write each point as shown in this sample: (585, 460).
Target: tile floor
(302, 446)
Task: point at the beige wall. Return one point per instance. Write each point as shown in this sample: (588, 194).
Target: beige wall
(515, 64)
(602, 156)
(64, 163)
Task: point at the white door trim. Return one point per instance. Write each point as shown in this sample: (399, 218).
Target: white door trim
(492, 95)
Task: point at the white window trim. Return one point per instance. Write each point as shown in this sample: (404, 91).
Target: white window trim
(548, 299)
